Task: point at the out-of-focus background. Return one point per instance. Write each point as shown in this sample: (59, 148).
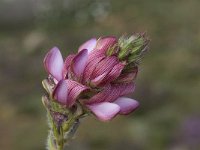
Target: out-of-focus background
(168, 85)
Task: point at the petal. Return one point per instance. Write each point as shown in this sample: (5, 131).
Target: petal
(104, 43)
(91, 65)
(53, 63)
(127, 77)
(101, 96)
(104, 111)
(98, 79)
(89, 45)
(61, 92)
(79, 62)
(105, 65)
(114, 73)
(127, 105)
(67, 63)
(75, 89)
(118, 90)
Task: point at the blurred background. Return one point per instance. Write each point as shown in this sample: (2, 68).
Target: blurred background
(168, 85)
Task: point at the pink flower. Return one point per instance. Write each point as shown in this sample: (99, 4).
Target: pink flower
(97, 69)
(92, 66)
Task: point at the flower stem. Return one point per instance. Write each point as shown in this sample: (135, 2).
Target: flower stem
(58, 137)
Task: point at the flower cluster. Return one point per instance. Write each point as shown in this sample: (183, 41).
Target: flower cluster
(98, 77)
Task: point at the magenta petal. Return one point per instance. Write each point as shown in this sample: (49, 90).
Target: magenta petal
(127, 105)
(53, 63)
(104, 111)
(89, 45)
(61, 92)
(79, 62)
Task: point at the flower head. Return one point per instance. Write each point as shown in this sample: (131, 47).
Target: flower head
(98, 77)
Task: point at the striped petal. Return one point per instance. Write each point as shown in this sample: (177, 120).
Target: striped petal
(119, 90)
(101, 96)
(61, 92)
(114, 73)
(75, 89)
(127, 77)
(67, 63)
(104, 111)
(105, 65)
(79, 62)
(89, 45)
(53, 63)
(103, 44)
(127, 105)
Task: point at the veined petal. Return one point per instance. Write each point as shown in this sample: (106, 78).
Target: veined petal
(89, 45)
(91, 65)
(53, 63)
(105, 65)
(104, 111)
(67, 63)
(118, 90)
(99, 79)
(127, 105)
(101, 96)
(114, 73)
(128, 76)
(104, 43)
(60, 93)
(79, 62)
(74, 90)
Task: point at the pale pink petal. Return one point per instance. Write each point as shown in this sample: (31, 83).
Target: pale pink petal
(127, 105)
(74, 91)
(104, 43)
(67, 63)
(104, 111)
(89, 45)
(79, 62)
(61, 92)
(53, 63)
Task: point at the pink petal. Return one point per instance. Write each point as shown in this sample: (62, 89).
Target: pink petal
(118, 90)
(101, 96)
(91, 65)
(127, 105)
(53, 63)
(104, 43)
(98, 79)
(67, 63)
(61, 92)
(89, 45)
(75, 89)
(79, 62)
(114, 73)
(105, 65)
(104, 111)
(127, 77)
